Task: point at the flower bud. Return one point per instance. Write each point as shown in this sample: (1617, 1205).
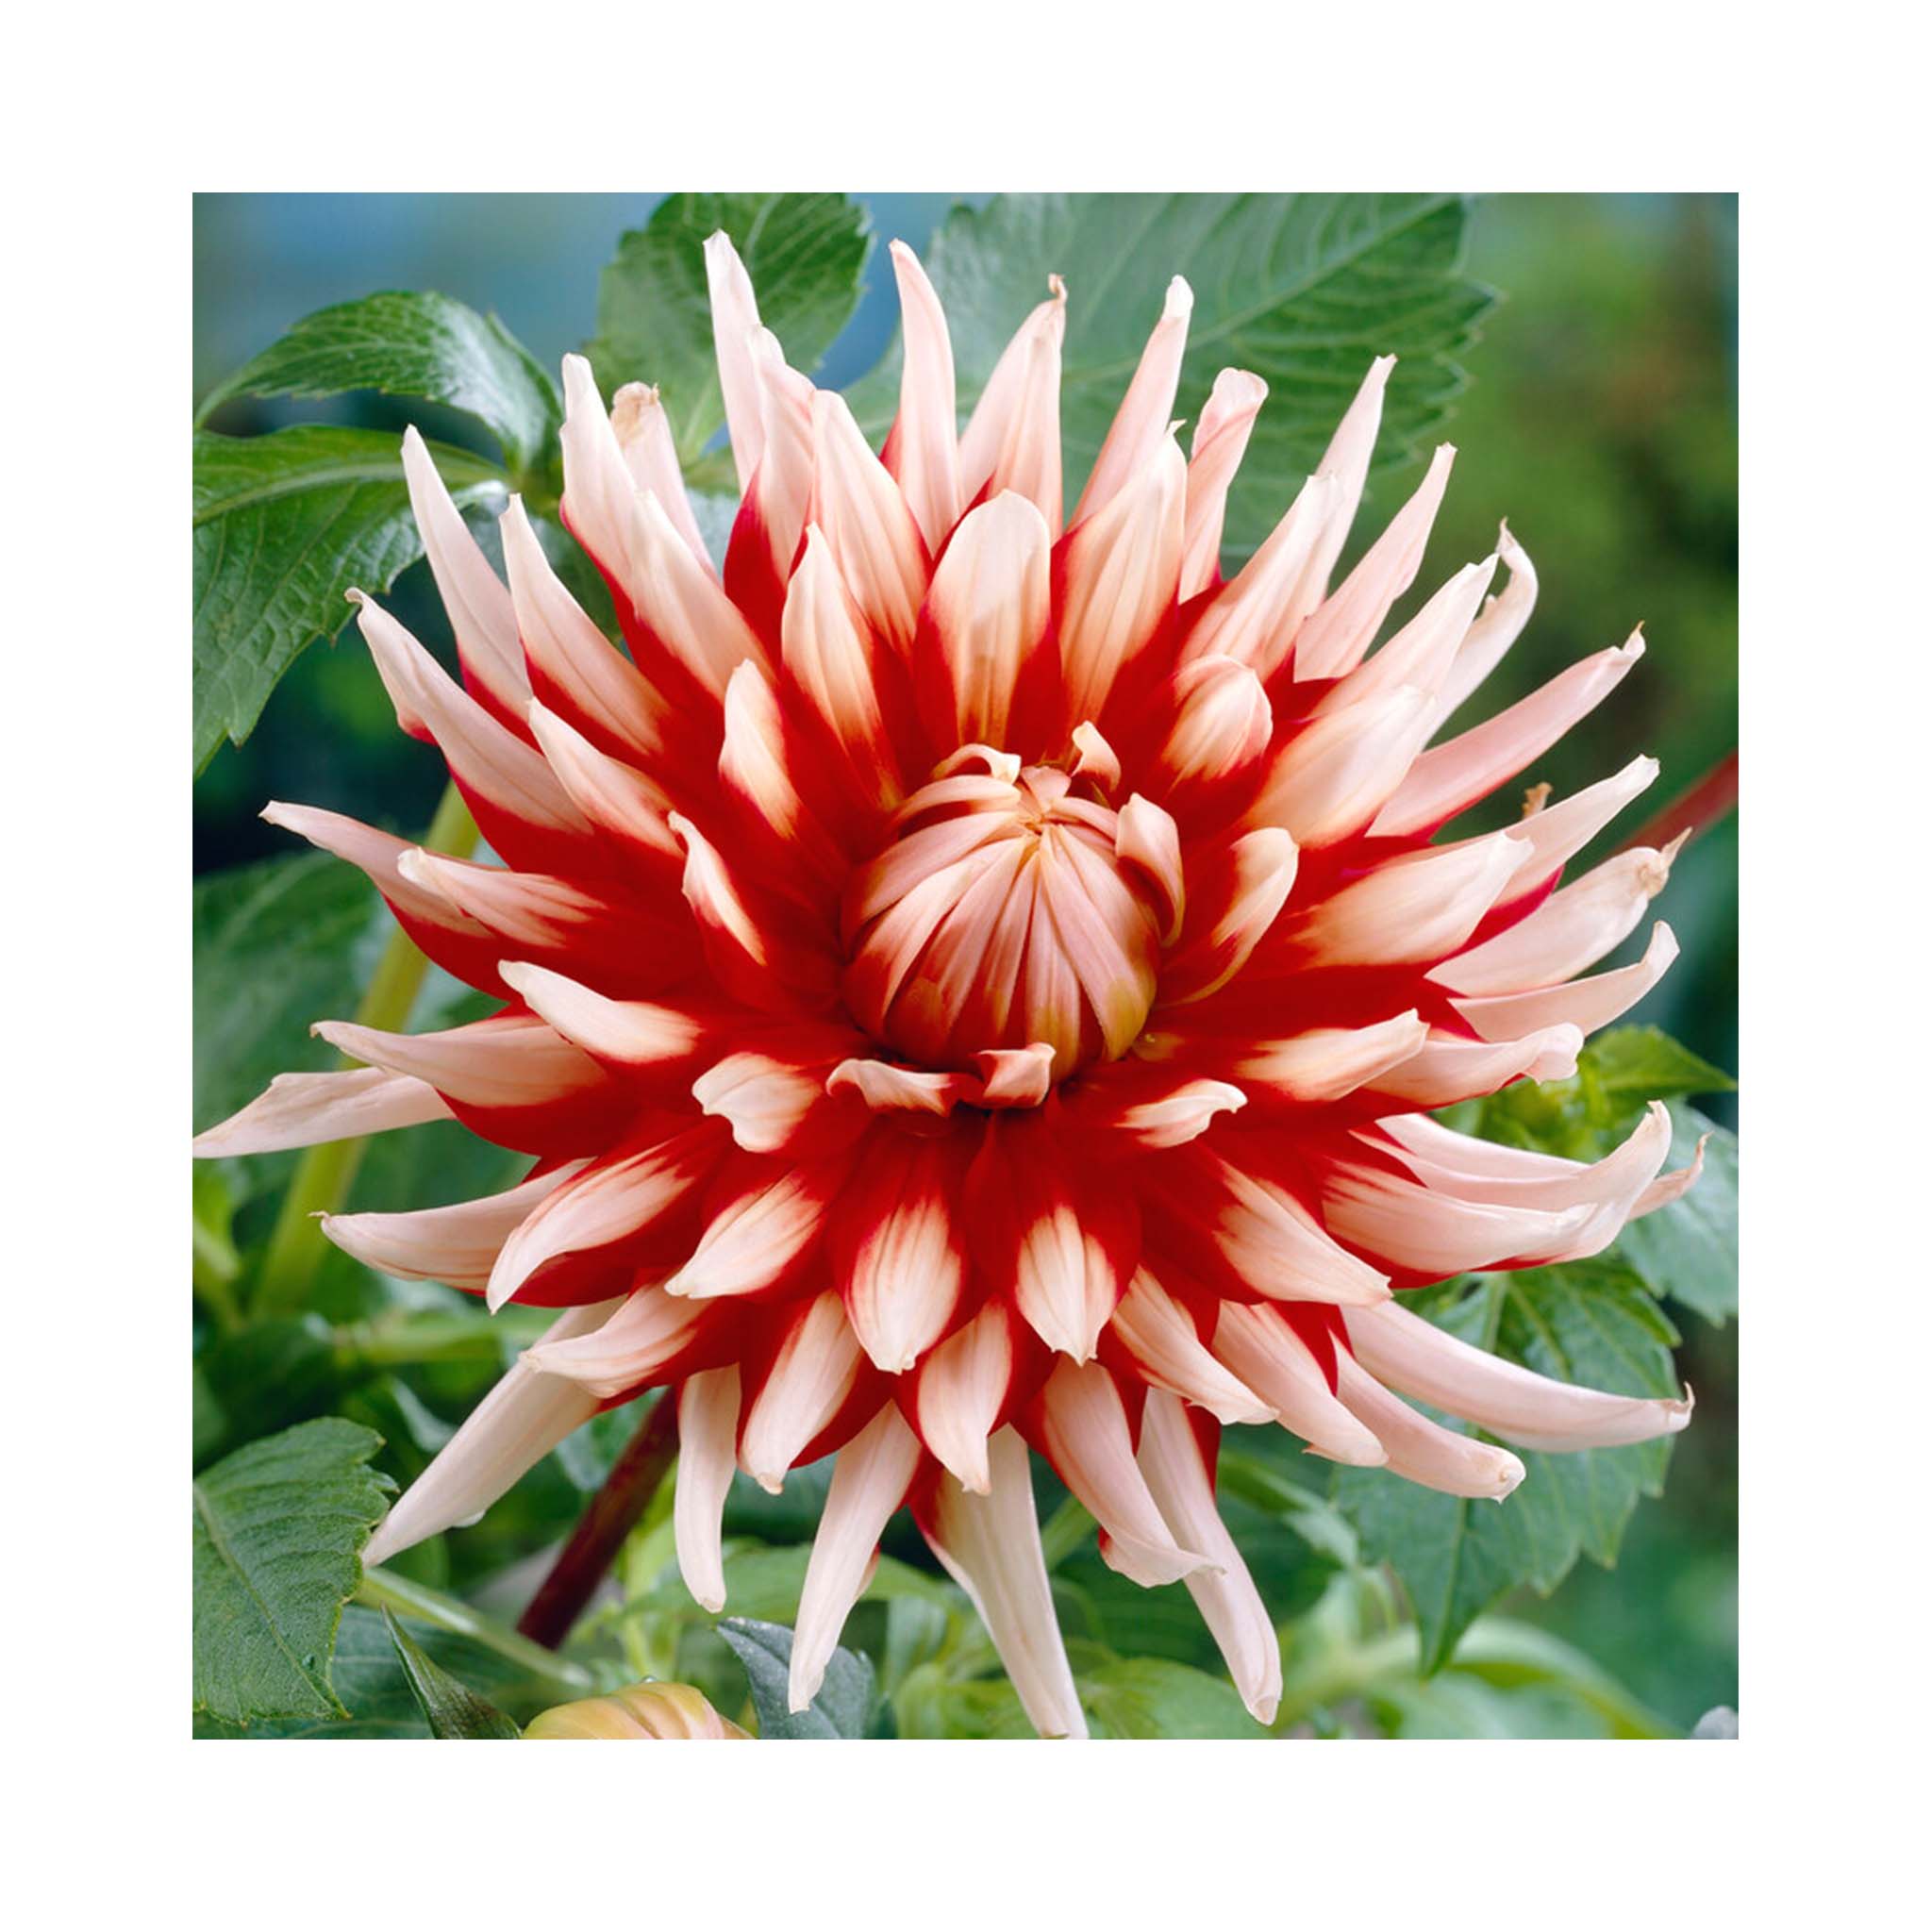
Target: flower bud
(640, 1710)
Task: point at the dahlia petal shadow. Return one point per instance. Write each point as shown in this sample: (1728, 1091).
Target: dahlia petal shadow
(518, 1424)
(990, 1545)
(1499, 625)
(865, 519)
(650, 454)
(1585, 1003)
(479, 608)
(734, 323)
(1141, 424)
(869, 1481)
(647, 1332)
(707, 1458)
(1425, 1453)
(1335, 639)
(1117, 574)
(812, 1372)
(1255, 619)
(1449, 777)
(1533, 1411)
(1181, 1479)
(923, 451)
(1259, 1347)
(1570, 931)
(1160, 1336)
(1082, 1429)
(959, 1392)
(305, 1109)
(1221, 440)
(457, 1245)
(577, 672)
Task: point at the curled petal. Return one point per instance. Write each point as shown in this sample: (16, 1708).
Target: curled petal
(1229, 915)
(1432, 1235)
(458, 1245)
(518, 1424)
(1274, 1244)
(1407, 1353)
(1260, 1345)
(509, 1060)
(1585, 1003)
(1437, 1458)
(629, 1034)
(766, 1098)
(707, 1456)
(1420, 652)
(1148, 842)
(648, 1331)
(810, 1375)
(1498, 627)
(1443, 1070)
(1330, 1062)
(1556, 833)
(1159, 1336)
(1221, 723)
(650, 454)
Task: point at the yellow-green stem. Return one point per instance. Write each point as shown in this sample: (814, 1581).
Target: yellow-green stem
(384, 1590)
(323, 1177)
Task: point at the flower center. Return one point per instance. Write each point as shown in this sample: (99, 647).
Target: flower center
(999, 916)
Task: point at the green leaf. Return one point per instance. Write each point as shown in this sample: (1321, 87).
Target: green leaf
(1590, 1321)
(412, 344)
(278, 1528)
(843, 1707)
(284, 526)
(806, 255)
(1303, 290)
(1149, 1697)
(449, 1707)
(1641, 1063)
(1688, 1250)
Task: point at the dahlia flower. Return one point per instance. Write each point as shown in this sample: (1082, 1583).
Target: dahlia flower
(975, 981)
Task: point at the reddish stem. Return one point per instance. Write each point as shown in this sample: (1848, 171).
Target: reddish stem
(1706, 804)
(614, 1511)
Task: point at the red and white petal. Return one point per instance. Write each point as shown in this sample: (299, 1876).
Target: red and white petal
(1083, 1431)
(1222, 724)
(627, 808)
(1173, 1113)
(1160, 1335)
(1120, 570)
(1141, 424)
(457, 1245)
(1346, 459)
(706, 1457)
(1328, 1063)
(1333, 776)
(767, 1098)
(1412, 910)
(303, 1110)
(1183, 1486)
(1443, 1069)
(869, 1481)
(1585, 1003)
(1432, 1235)
(986, 616)
(990, 1545)
(828, 659)
(518, 1424)
(574, 667)
(734, 323)
(1260, 1346)
(1255, 618)
(756, 1238)
(631, 1035)
(755, 962)
(1402, 1351)
(1229, 913)
(1570, 931)
(1221, 440)
(923, 451)
(479, 608)
(650, 454)
(648, 1331)
(1498, 627)
(1423, 1451)
(681, 603)
(507, 1061)
(810, 1377)
(1450, 778)
(1147, 844)
(599, 493)
(1275, 1244)
(960, 1392)
(1335, 638)
(896, 1250)
(864, 516)
(1557, 833)
(1012, 440)
(1420, 652)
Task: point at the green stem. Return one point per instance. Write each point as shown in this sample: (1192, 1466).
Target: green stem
(323, 1177)
(383, 1589)
(1064, 1531)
